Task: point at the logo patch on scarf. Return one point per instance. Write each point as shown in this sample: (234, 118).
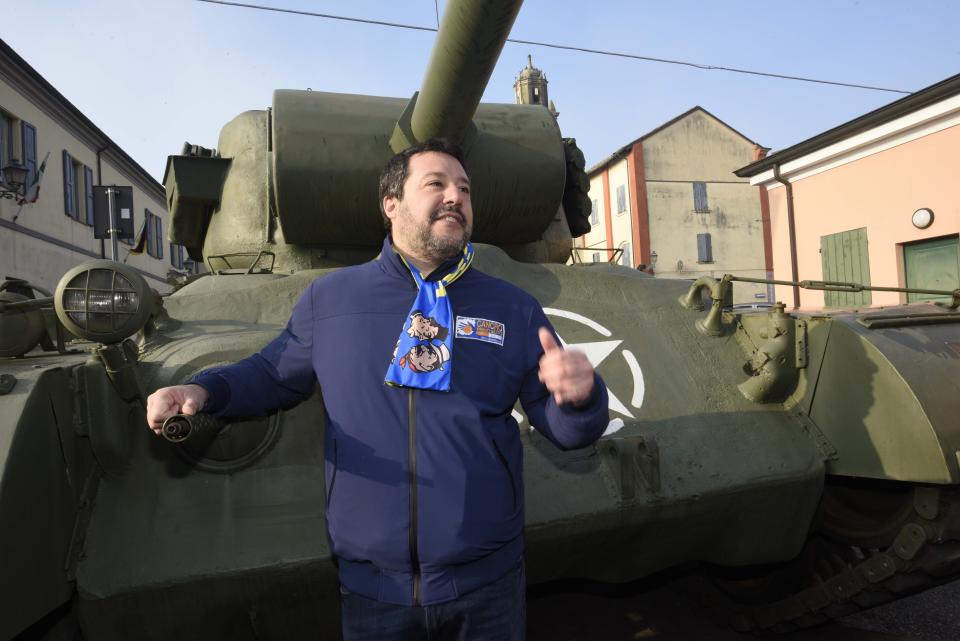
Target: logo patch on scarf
(481, 329)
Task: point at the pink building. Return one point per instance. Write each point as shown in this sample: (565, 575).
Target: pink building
(874, 201)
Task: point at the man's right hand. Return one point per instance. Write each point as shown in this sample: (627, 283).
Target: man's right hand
(179, 399)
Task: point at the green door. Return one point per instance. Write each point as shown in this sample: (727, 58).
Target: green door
(932, 264)
(844, 259)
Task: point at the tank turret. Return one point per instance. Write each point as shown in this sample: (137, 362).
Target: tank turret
(297, 182)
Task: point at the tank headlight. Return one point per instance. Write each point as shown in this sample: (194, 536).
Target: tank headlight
(103, 301)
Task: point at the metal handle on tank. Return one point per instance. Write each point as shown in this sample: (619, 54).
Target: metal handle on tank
(180, 427)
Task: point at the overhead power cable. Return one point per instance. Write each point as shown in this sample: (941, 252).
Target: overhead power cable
(551, 45)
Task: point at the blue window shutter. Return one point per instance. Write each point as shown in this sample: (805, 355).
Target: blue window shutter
(700, 203)
(88, 193)
(4, 123)
(29, 138)
(69, 207)
(173, 255)
(159, 237)
(150, 231)
(704, 248)
(6, 141)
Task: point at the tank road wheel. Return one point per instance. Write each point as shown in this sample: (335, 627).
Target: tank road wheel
(872, 542)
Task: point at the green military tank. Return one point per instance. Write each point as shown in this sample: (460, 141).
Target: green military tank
(809, 461)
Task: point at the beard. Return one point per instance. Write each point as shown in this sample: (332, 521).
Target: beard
(435, 246)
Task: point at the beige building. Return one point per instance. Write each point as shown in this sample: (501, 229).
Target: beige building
(668, 202)
(41, 240)
(874, 201)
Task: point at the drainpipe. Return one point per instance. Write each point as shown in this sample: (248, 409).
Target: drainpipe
(791, 226)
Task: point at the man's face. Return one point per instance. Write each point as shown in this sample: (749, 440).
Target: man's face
(434, 219)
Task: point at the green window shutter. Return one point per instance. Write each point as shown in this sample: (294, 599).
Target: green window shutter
(932, 264)
(844, 258)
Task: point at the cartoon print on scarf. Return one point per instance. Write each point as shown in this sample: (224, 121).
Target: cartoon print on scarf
(426, 327)
(425, 358)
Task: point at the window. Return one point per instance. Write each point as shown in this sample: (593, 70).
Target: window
(621, 199)
(77, 189)
(176, 255)
(6, 141)
(154, 233)
(88, 195)
(700, 204)
(28, 134)
(594, 211)
(596, 257)
(536, 95)
(625, 258)
(18, 145)
(704, 248)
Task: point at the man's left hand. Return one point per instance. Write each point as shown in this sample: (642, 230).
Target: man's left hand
(567, 374)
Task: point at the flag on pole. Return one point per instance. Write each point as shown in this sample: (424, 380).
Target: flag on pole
(32, 192)
(140, 243)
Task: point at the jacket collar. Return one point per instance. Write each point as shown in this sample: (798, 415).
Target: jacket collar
(390, 260)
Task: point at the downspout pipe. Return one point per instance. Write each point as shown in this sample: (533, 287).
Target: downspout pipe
(792, 228)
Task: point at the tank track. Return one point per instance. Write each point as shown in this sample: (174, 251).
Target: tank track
(576, 203)
(925, 553)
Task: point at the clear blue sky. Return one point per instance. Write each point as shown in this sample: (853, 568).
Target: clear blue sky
(155, 73)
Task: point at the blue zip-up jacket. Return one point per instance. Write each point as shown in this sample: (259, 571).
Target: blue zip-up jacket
(424, 488)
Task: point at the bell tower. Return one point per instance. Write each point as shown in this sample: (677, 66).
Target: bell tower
(531, 88)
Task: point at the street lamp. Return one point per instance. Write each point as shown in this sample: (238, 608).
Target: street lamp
(14, 179)
(653, 258)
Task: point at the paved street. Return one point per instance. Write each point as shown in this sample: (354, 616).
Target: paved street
(661, 610)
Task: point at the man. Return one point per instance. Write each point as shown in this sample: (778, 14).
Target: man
(434, 551)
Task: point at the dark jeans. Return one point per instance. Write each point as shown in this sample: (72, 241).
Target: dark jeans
(496, 612)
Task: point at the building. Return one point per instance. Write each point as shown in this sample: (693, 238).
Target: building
(668, 203)
(41, 240)
(874, 201)
(530, 87)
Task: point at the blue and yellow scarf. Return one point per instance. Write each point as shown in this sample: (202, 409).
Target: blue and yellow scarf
(422, 357)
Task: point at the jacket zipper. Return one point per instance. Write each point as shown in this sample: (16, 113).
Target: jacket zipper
(506, 467)
(333, 477)
(412, 480)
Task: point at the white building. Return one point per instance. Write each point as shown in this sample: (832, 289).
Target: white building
(39, 241)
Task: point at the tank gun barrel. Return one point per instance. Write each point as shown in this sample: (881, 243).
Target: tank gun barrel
(468, 45)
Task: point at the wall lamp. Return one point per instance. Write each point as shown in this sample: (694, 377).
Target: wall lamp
(14, 178)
